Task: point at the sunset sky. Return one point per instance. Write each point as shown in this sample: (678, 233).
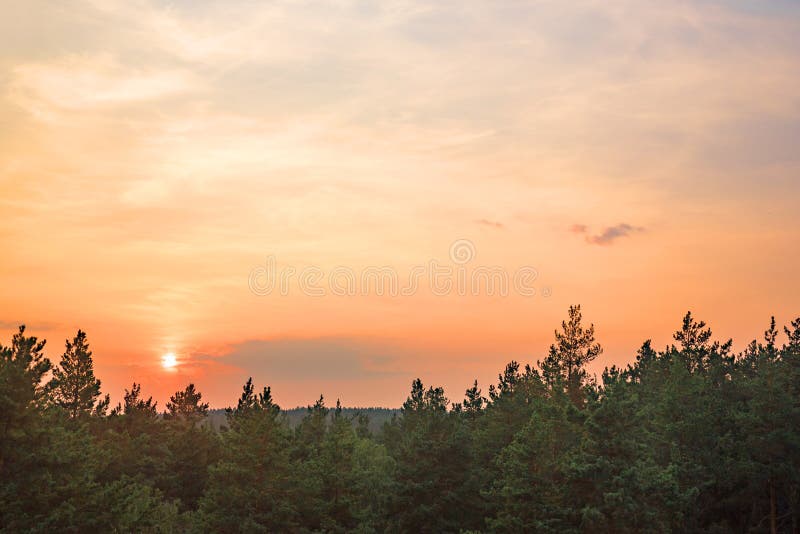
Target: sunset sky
(643, 157)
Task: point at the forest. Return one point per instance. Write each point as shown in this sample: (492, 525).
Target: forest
(694, 437)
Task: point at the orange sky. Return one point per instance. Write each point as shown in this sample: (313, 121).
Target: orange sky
(642, 157)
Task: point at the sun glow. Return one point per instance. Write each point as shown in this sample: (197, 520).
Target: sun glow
(169, 361)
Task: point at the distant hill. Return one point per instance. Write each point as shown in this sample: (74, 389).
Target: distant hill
(377, 416)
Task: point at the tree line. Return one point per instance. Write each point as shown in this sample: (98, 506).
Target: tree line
(691, 438)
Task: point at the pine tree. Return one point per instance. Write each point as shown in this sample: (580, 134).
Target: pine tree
(186, 405)
(373, 483)
(340, 487)
(617, 475)
(509, 409)
(193, 447)
(474, 402)
(532, 489)
(74, 386)
(22, 368)
(49, 469)
(250, 488)
(310, 471)
(433, 463)
(770, 433)
(697, 350)
(135, 406)
(565, 365)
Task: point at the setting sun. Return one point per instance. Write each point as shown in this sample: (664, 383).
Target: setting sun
(169, 361)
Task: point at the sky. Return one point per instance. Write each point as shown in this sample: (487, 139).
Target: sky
(164, 165)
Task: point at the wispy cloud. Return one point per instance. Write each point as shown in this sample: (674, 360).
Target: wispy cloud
(83, 82)
(578, 228)
(31, 327)
(308, 359)
(608, 235)
(491, 224)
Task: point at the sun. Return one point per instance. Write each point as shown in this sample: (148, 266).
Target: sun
(169, 361)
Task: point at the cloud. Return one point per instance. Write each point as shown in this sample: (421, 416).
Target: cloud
(491, 224)
(29, 327)
(99, 81)
(578, 228)
(607, 236)
(298, 360)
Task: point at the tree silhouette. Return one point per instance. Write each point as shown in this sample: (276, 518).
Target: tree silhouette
(575, 346)
(74, 386)
(187, 406)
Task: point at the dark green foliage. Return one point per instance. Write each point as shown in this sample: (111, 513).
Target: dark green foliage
(186, 406)
(692, 438)
(193, 446)
(433, 463)
(369, 420)
(21, 388)
(250, 487)
(534, 490)
(341, 478)
(50, 466)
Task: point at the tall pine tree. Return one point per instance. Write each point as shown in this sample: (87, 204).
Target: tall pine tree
(575, 346)
(74, 386)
